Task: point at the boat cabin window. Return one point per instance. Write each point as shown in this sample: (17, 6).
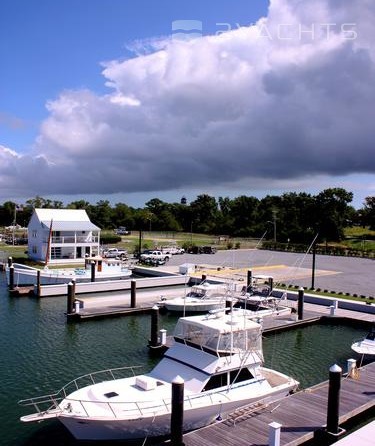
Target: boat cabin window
(221, 379)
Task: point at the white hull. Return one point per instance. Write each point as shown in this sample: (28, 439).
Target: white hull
(217, 356)
(153, 425)
(28, 276)
(364, 348)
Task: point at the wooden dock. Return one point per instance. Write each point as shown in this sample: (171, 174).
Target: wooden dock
(302, 415)
(22, 291)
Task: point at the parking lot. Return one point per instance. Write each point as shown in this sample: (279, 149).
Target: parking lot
(345, 274)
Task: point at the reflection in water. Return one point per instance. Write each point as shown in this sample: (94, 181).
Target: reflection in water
(41, 352)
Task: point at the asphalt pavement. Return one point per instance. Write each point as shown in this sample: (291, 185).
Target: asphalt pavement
(332, 273)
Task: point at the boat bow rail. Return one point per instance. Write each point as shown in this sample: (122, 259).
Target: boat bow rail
(48, 406)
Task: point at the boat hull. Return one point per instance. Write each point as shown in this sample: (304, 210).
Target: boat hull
(23, 277)
(154, 425)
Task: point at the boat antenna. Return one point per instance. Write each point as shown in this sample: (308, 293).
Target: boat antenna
(297, 264)
(49, 242)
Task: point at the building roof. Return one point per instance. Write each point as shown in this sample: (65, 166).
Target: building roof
(65, 219)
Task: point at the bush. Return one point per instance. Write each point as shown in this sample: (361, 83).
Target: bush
(110, 239)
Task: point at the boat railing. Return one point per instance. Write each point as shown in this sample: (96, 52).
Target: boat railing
(47, 403)
(128, 409)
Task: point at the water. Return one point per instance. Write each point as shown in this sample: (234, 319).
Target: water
(40, 353)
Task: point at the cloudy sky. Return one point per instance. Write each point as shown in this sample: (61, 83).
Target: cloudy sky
(127, 101)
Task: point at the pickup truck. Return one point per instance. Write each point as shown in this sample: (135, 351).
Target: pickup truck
(113, 253)
(172, 250)
(154, 256)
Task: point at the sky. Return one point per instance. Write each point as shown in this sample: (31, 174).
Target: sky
(128, 101)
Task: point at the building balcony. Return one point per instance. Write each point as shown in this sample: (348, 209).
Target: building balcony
(73, 240)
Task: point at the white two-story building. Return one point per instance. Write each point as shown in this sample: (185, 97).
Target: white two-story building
(62, 236)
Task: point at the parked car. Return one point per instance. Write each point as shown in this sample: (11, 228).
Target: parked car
(113, 253)
(121, 230)
(172, 250)
(201, 250)
(154, 255)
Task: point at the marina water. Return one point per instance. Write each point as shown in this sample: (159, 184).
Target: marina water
(40, 352)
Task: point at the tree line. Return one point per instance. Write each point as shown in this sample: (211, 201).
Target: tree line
(291, 217)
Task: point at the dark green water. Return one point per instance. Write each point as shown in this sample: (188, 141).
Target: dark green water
(40, 353)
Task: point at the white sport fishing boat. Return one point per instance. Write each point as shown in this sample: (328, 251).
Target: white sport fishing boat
(366, 346)
(105, 269)
(200, 298)
(219, 356)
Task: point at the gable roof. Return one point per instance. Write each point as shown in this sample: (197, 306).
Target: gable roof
(65, 219)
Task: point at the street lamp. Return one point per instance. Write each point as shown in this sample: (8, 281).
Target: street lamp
(274, 227)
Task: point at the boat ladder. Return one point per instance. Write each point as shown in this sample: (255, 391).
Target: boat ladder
(245, 412)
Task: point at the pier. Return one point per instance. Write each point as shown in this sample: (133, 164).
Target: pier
(302, 416)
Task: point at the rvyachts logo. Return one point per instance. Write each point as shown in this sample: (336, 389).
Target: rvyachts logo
(186, 30)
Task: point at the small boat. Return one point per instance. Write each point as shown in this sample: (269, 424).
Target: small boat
(200, 298)
(220, 358)
(366, 346)
(104, 269)
(258, 294)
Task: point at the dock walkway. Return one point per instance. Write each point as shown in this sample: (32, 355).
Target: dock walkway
(301, 415)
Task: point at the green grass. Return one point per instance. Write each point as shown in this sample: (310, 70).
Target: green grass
(358, 232)
(333, 294)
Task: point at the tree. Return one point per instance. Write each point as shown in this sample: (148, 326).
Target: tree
(332, 213)
(101, 214)
(204, 212)
(123, 215)
(368, 212)
(244, 211)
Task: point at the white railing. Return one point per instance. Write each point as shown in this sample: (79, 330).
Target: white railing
(73, 239)
(47, 404)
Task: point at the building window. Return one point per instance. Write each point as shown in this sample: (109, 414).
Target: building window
(34, 249)
(34, 233)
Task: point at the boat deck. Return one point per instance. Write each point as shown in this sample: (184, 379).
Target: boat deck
(302, 415)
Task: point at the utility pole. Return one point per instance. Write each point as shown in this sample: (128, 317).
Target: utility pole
(274, 212)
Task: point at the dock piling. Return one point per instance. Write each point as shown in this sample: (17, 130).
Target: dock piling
(92, 271)
(11, 277)
(154, 342)
(301, 293)
(71, 298)
(38, 283)
(333, 399)
(133, 293)
(249, 280)
(10, 261)
(177, 415)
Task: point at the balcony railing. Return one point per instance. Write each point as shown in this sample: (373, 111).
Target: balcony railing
(69, 239)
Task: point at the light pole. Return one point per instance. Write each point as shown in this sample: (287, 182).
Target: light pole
(274, 227)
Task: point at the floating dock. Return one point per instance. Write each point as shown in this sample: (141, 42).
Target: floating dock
(302, 416)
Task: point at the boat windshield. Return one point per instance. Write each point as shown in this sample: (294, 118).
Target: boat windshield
(197, 292)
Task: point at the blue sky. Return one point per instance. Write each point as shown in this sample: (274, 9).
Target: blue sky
(98, 92)
(48, 46)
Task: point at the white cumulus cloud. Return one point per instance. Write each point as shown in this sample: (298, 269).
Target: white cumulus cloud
(288, 98)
